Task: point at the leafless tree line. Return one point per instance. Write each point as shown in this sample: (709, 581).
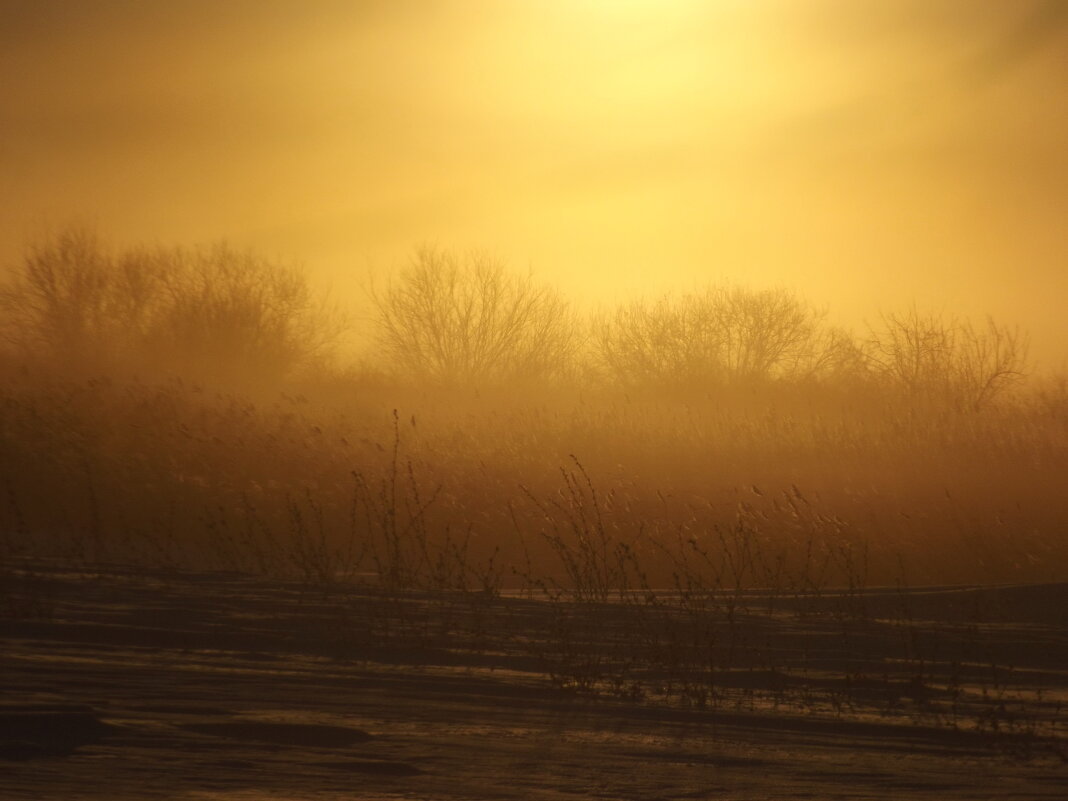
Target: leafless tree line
(467, 320)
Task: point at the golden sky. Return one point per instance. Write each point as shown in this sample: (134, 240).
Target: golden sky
(866, 153)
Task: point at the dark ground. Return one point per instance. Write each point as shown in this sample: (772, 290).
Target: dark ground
(138, 684)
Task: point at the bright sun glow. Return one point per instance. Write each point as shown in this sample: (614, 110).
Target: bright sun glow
(859, 151)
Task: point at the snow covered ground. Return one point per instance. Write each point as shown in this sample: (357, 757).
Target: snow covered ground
(134, 684)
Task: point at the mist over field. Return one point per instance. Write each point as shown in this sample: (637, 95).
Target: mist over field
(159, 397)
(686, 365)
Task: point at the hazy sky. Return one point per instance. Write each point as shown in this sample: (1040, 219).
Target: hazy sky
(867, 153)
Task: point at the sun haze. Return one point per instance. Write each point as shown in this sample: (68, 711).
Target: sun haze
(533, 398)
(865, 154)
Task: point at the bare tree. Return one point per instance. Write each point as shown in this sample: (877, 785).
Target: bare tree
(236, 311)
(767, 333)
(666, 341)
(723, 334)
(931, 357)
(913, 351)
(461, 320)
(213, 313)
(991, 360)
(60, 300)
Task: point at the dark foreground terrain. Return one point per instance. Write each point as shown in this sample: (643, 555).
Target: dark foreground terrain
(135, 684)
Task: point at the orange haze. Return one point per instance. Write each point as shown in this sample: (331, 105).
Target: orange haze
(866, 153)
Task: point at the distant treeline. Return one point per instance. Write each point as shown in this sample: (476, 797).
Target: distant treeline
(236, 319)
(190, 407)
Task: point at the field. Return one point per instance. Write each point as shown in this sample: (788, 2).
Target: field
(830, 568)
(124, 684)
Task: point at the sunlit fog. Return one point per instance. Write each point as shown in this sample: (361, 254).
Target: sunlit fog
(865, 154)
(533, 399)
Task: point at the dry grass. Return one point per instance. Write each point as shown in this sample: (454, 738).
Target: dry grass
(339, 483)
